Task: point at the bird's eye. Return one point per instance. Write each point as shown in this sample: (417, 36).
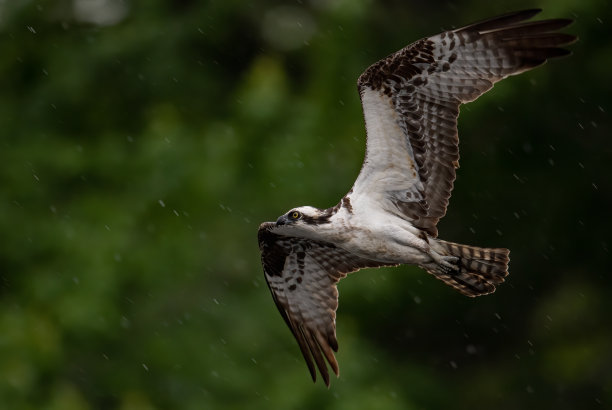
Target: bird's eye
(295, 215)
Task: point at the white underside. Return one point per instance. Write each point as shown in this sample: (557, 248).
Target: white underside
(389, 165)
(381, 236)
(374, 228)
(369, 232)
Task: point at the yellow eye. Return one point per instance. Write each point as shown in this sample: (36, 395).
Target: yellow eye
(295, 215)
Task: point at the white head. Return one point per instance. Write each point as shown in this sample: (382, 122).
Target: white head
(303, 221)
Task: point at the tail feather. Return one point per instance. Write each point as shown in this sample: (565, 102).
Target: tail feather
(479, 269)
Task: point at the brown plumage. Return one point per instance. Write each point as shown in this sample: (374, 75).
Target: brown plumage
(302, 276)
(428, 80)
(411, 103)
(479, 269)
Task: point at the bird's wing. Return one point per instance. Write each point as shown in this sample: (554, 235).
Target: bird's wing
(302, 276)
(411, 102)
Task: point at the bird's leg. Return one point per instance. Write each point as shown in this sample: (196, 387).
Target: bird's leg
(426, 251)
(448, 263)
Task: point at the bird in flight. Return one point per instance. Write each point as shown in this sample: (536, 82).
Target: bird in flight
(410, 104)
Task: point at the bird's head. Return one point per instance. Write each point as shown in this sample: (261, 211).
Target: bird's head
(303, 215)
(302, 221)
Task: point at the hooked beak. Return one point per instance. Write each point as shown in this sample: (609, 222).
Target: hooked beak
(281, 220)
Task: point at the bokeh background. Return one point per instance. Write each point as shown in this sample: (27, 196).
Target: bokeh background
(142, 143)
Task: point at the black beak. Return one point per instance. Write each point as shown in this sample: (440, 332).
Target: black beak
(282, 220)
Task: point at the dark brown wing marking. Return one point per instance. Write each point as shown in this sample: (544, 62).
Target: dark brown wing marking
(424, 84)
(302, 277)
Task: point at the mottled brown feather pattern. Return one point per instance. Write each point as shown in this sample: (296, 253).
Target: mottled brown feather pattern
(480, 269)
(414, 96)
(302, 276)
(429, 79)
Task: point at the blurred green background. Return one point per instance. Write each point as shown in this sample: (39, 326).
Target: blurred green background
(144, 141)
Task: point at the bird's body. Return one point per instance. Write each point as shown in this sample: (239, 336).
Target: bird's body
(411, 103)
(369, 233)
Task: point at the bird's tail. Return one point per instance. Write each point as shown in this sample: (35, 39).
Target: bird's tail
(478, 271)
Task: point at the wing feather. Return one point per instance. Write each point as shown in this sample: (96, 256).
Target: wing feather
(411, 103)
(302, 275)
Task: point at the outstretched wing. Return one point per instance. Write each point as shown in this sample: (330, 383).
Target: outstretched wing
(302, 276)
(411, 102)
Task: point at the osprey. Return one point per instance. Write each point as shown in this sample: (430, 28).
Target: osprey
(410, 103)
